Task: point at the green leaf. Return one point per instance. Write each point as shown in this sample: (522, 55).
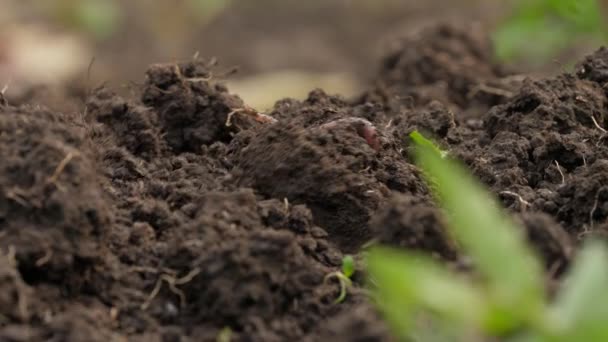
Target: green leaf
(420, 140)
(512, 273)
(406, 285)
(581, 309)
(348, 266)
(535, 38)
(584, 15)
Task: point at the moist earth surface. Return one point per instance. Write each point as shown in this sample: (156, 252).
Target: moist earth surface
(181, 214)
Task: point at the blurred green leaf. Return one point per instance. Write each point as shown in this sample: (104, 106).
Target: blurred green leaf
(208, 9)
(420, 140)
(424, 302)
(407, 285)
(539, 29)
(100, 17)
(583, 15)
(581, 309)
(536, 38)
(512, 273)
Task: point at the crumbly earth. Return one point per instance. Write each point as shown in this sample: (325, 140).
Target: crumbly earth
(183, 215)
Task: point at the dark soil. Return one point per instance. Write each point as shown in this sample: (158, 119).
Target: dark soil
(183, 213)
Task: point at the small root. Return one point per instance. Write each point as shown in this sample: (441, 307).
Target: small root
(59, 169)
(586, 231)
(286, 205)
(163, 91)
(369, 243)
(11, 255)
(390, 122)
(199, 79)
(257, 116)
(89, 72)
(18, 195)
(22, 305)
(489, 90)
(171, 282)
(522, 202)
(595, 203)
(114, 312)
(559, 169)
(599, 141)
(3, 100)
(344, 281)
(188, 277)
(153, 294)
(230, 115)
(597, 125)
(45, 258)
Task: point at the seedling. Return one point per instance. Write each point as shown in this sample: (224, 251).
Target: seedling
(343, 276)
(420, 140)
(506, 299)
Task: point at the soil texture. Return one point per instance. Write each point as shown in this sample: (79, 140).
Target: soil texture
(181, 214)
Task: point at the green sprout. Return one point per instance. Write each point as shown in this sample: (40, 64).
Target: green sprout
(343, 276)
(505, 299)
(420, 140)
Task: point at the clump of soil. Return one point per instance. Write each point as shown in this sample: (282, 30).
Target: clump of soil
(52, 206)
(361, 324)
(227, 268)
(198, 253)
(544, 150)
(450, 63)
(318, 157)
(411, 223)
(54, 217)
(552, 242)
(192, 111)
(133, 127)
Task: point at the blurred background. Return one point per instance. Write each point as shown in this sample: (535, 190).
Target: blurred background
(281, 48)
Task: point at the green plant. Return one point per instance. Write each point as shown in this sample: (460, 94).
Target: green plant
(538, 29)
(505, 299)
(343, 276)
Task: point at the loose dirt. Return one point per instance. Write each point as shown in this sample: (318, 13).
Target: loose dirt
(181, 214)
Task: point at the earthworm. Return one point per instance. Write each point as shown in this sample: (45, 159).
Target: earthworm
(364, 128)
